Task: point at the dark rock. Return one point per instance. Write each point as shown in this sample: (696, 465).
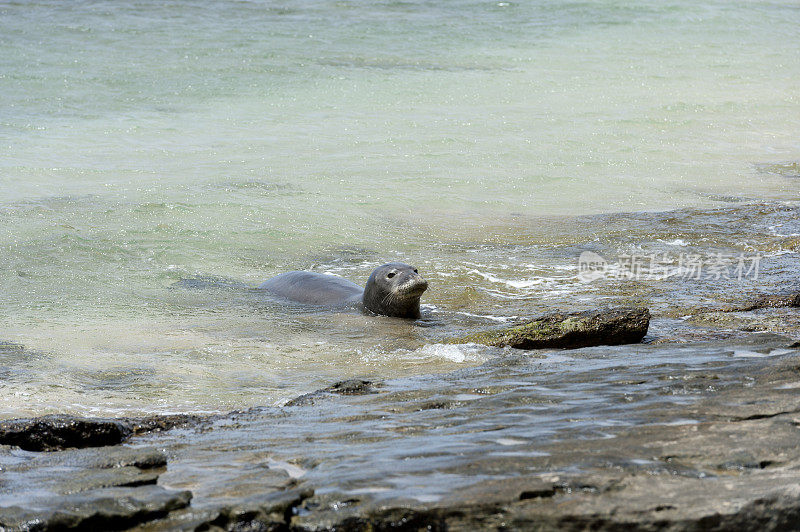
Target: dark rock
(560, 330)
(161, 423)
(263, 512)
(350, 387)
(55, 432)
(266, 511)
(347, 387)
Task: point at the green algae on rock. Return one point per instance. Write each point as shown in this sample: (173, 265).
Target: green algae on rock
(616, 326)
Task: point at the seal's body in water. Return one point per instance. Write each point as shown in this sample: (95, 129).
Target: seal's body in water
(393, 289)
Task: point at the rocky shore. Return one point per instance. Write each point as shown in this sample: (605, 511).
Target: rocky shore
(614, 326)
(639, 437)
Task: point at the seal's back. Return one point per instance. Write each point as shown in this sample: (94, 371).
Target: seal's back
(314, 288)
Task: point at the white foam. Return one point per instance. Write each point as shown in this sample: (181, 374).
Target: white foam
(501, 319)
(676, 242)
(742, 353)
(292, 470)
(679, 421)
(454, 352)
(773, 229)
(467, 396)
(781, 252)
(372, 489)
(504, 295)
(510, 441)
(518, 284)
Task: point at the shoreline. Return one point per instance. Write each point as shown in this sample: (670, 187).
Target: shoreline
(723, 457)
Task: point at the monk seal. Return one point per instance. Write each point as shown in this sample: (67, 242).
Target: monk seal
(393, 290)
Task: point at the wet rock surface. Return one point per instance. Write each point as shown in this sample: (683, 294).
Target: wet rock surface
(772, 301)
(569, 330)
(57, 432)
(641, 437)
(103, 509)
(54, 432)
(348, 387)
(99, 488)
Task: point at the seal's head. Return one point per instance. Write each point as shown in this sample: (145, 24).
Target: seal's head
(394, 289)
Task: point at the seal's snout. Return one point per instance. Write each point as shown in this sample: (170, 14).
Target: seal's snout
(414, 284)
(420, 283)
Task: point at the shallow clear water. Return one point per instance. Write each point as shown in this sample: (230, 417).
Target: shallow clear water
(146, 142)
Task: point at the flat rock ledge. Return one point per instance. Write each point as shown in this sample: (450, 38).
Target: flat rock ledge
(103, 509)
(728, 460)
(615, 326)
(108, 488)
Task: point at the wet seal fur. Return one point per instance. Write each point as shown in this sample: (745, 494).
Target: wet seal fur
(393, 290)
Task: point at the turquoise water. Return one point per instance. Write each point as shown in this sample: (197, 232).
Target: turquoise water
(146, 142)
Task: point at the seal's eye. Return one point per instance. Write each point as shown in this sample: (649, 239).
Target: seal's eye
(390, 275)
(415, 270)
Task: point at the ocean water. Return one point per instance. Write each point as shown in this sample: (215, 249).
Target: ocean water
(488, 143)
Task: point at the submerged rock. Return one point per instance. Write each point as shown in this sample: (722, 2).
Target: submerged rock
(773, 301)
(569, 330)
(785, 300)
(165, 422)
(98, 488)
(100, 509)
